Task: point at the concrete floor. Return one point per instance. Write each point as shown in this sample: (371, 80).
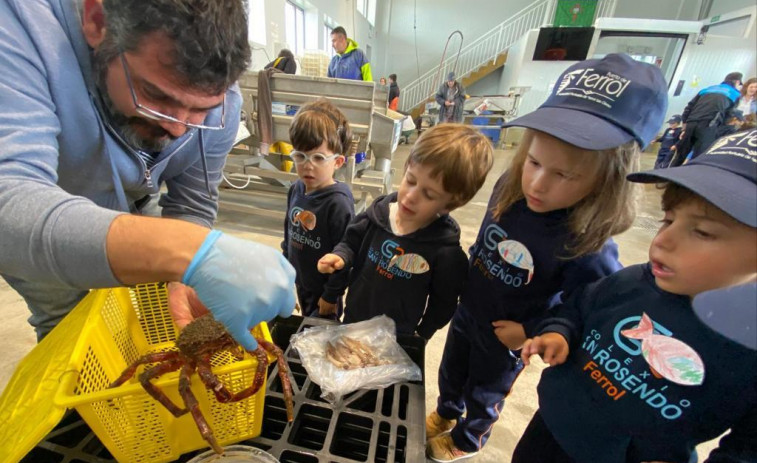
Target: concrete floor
(17, 336)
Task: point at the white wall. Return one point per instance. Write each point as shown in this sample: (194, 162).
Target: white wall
(686, 10)
(436, 19)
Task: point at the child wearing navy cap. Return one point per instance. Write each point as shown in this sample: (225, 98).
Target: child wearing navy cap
(641, 378)
(668, 141)
(547, 230)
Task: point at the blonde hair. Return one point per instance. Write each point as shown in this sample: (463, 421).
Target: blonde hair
(460, 155)
(610, 207)
(317, 122)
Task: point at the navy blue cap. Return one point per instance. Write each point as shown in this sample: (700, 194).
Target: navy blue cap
(450, 76)
(603, 103)
(674, 118)
(732, 312)
(725, 175)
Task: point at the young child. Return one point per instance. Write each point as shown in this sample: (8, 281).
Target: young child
(318, 207)
(668, 141)
(547, 230)
(645, 380)
(404, 251)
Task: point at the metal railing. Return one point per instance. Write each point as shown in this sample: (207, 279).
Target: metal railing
(487, 47)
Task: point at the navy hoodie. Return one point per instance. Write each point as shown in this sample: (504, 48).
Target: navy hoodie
(314, 224)
(414, 279)
(639, 397)
(516, 269)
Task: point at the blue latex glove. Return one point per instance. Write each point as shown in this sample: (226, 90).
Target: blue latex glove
(242, 283)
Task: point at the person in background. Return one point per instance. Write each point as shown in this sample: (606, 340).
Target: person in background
(104, 102)
(668, 141)
(451, 99)
(349, 62)
(319, 208)
(748, 101)
(394, 92)
(403, 254)
(704, 114)
(284, 63)
(382, 81)
(635, 375)
(546, 233)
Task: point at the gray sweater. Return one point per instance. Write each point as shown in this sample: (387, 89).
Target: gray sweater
(64, 177)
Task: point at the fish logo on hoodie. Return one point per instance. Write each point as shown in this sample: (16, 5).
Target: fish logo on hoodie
(667, 357)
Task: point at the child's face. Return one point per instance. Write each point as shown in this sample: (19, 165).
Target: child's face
(556, 175)
(699, 248)
(317, 176)
(421, 197)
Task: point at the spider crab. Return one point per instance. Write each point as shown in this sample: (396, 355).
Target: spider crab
(197, 342)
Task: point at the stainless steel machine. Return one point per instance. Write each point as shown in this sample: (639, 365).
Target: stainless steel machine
(253, 179)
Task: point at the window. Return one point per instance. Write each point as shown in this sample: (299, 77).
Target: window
(256, 22)
(327, 40)
(368, 9)
(294, 19)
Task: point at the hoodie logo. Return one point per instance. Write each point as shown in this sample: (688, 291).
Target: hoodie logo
(303, 218)
(517, 254)
(604, 88)
(493, 235)
(667, 357)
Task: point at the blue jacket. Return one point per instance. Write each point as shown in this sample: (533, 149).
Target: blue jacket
(64, 176)
(711, 105)
(637, 396)
(352, 64)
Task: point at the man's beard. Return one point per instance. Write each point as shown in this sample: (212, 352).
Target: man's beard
(127, 126)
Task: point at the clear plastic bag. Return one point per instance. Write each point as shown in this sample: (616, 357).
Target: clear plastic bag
(344, 358)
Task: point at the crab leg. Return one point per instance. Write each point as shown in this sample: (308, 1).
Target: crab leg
(155, 392)
(223, 395)
(286, 385)
(194, 407)
(149, 358)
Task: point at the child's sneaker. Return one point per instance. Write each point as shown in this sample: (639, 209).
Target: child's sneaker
(441, 448)
(436, 425)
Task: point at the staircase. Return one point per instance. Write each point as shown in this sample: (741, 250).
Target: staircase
(485, 54)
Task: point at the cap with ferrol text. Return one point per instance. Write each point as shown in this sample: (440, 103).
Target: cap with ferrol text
(725, 175)
(603, 103)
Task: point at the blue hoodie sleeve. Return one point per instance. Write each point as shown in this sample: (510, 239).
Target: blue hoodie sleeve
(285, 243)
(447, 283)
(341, 214)
(740, 445)
(353, 239)
(580, 272)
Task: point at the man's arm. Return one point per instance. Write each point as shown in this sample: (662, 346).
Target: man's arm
(365, 70)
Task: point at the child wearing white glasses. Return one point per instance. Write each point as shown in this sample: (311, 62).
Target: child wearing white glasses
(319, 208)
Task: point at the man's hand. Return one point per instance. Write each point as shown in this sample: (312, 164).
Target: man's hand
(447, 103)
(330, 263)
(183, 304)
(552, 347)
(242, 283)
(509, 333)
(325, 308)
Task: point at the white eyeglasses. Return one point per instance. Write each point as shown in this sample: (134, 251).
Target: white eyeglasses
(159, 116)
(317, 159)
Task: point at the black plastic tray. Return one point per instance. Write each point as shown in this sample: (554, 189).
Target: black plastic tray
(382, 426)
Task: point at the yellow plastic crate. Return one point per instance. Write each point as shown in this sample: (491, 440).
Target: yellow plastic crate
(124, 324)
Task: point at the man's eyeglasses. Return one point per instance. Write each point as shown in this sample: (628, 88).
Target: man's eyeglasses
(157, 115)
(317, 159)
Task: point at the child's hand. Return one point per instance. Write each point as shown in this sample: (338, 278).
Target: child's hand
(510, 334)
(325, 308)
(552, 347)
(330, 263)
